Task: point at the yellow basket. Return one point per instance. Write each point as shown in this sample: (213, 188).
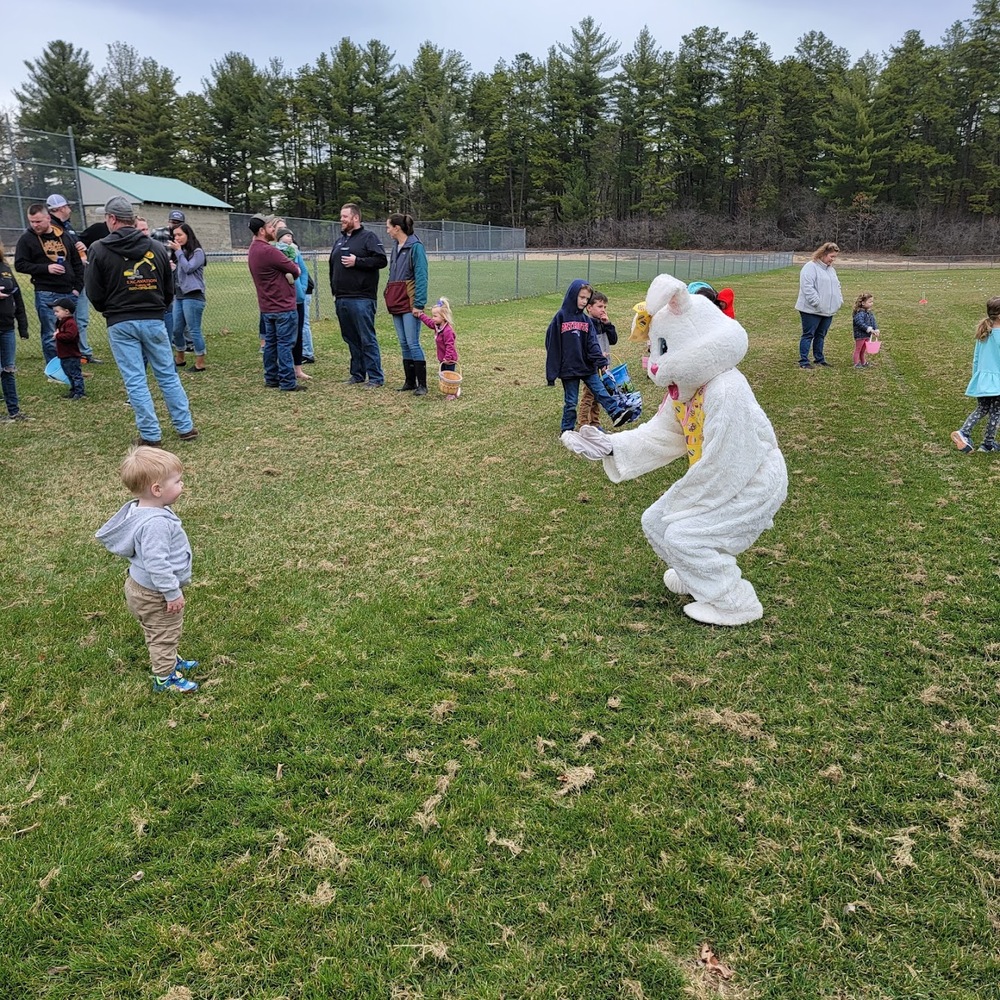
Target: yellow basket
(450, 383)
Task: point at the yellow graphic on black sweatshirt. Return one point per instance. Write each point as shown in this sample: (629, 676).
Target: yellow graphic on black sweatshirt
(141, 276)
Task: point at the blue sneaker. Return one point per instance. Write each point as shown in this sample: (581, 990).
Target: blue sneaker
(175, 682)
(961, 441)
(623, 416)
(991, 446)
(185, 666)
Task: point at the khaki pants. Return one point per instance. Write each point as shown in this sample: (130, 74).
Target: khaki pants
(161, 629)
(588, 409)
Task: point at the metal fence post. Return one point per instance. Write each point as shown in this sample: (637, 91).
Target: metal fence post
(517, 275)
(468, 279)
(315, 295)
(557, 270)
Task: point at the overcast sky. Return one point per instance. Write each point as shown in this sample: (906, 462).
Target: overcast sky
(189, 37)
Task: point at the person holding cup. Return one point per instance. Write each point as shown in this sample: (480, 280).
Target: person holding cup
(356, 259)
(52, 262)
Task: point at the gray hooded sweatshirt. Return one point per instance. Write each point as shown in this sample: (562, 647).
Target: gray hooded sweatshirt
(153, 541)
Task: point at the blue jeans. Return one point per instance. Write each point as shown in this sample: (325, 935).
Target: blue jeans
(307, 337)
(82, 316)
(357, 326)
(280, 330)
(408, 331)
(187, 321)
(814, 330)
(134, 342)
(8, 347)
(47, 320)
(571, 395)
(71, 369)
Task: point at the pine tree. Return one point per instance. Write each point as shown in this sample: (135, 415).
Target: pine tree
(60, 94)
(643, 179)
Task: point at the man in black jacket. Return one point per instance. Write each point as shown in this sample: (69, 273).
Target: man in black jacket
(356, 259)
(53, 263)
(128, 279)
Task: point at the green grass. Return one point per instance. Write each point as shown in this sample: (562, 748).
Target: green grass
(419, 611)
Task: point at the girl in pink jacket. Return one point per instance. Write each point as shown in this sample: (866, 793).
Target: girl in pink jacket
(444, 337)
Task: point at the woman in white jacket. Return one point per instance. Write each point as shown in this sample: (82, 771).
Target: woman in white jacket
(819, 298)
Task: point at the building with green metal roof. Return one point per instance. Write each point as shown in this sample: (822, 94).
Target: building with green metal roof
(154, 198)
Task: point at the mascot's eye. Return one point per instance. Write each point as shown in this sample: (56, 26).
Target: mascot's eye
(662, 344)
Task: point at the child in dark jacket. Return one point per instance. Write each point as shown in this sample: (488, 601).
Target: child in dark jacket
(68, 345)
(573, 355)
(865, 326)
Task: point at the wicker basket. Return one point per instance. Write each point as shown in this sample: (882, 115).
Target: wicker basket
(450, 383)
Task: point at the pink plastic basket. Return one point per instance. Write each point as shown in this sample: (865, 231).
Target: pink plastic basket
(873, 346)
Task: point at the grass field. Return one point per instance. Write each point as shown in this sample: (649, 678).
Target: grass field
(417, 619)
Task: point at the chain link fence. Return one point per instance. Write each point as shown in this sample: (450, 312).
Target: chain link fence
(33, 165)
(480, 278)
(465, 278)
(437, 236)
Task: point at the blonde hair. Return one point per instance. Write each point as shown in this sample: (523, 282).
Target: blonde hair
(445, 306)
(144, 466)
(824, 249)
(860, 301)
(1, 250)
(992, 317)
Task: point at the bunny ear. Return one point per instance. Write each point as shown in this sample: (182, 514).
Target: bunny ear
(680, 300)
(663, 288)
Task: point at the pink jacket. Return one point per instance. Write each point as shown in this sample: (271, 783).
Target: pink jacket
(444, 339)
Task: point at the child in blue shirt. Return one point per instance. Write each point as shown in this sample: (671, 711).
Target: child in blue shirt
(985, 383)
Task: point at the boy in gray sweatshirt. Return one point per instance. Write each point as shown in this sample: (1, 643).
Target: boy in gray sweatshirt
(149, 534)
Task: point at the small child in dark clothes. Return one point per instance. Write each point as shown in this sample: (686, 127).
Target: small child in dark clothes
(68, 345)
(865, 326)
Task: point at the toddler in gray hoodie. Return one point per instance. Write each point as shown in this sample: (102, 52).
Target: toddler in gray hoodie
(149, 534)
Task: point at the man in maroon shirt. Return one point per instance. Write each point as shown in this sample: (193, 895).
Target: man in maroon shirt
(270, 269)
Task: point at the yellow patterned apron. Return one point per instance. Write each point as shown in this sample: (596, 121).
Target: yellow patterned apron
(691, 417)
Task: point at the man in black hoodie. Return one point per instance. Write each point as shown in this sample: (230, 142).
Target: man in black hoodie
(128, 280)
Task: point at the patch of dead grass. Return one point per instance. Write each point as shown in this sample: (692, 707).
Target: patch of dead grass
(322, 853)
(574, 779)
(745, 725)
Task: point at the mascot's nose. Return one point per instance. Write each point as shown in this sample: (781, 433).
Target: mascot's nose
(653, 369)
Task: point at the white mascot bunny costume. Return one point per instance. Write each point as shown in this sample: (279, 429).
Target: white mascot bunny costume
(736, 478)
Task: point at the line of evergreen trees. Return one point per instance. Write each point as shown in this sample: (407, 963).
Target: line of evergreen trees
(648, 146)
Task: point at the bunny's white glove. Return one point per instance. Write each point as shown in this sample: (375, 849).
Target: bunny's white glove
(589, 442)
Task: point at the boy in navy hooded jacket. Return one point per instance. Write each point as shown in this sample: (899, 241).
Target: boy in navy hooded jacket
(573, 354)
